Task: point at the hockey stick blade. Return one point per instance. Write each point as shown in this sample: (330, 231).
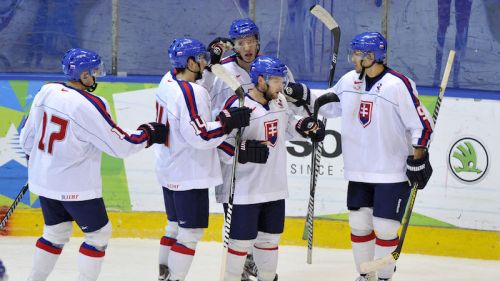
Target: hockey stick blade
(219, 71)
(322, 100)
(324, 16)
(375, 265)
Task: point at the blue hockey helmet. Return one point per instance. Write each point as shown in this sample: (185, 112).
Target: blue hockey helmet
(370, 42)
(182, 49)
(78, 60)
(243, 28)
(267, 67)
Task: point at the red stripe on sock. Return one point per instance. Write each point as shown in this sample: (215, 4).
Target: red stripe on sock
(387, 243)
(48, 248)
(179, 248)
(167, 241)
(362, 239)
(267, 249)
(236, 253)
(92, 253)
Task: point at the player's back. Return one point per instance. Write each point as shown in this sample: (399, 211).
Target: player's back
(64, 137)
(189, 160)
(57, 152)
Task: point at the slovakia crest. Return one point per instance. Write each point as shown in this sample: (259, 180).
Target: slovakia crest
(271, 130)
(365, 112)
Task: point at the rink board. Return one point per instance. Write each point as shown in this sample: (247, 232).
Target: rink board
(327, 233)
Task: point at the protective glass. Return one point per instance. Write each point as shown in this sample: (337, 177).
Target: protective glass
(241, 43)
(357, 55)
(277, 81)
(99, 71)
(203, 56)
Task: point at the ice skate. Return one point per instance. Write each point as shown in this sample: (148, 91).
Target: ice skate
(164, 273)
(249, 270)
(367, 277)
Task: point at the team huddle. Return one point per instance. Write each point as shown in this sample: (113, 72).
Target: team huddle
(228, 140)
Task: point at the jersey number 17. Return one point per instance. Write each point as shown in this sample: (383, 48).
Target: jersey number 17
(54, 136)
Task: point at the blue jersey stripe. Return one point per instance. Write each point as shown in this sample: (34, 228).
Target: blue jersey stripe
(101, 108)
(230, 101)
(426, 132)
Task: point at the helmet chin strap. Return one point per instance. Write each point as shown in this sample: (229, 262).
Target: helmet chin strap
(363, 68)
(90, 88)
(238, 55)
(265, 94)
(199, 74)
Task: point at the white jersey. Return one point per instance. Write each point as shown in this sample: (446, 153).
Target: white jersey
(379, 125)
(257, 183)
(64, 135)
(189, 160)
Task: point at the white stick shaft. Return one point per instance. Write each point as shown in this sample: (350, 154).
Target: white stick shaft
(446, 74)
(444, 83)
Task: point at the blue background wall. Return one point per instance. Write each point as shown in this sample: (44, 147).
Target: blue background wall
(34, 34)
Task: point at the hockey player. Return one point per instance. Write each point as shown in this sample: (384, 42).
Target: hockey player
(187, 165)
(64, 135)
(244, 35)
(385, 134)
(259, 200)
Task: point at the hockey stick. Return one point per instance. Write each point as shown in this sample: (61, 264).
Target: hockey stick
(13, 206)
(394, 256)
(221, 73)
(326, 18)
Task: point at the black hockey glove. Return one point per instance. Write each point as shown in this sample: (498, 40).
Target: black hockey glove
(309, 127)
(418, 171)
(157, 132)
(253, 151)
(234, 117)
(216, 49)
(297, 93)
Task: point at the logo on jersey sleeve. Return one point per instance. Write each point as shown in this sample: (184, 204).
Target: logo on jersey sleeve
(271, 130)
(365, 112)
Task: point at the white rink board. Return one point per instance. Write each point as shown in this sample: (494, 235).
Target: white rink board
(468, 205)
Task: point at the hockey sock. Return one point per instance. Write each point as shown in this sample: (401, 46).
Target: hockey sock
(89, 262)
(180, 259)
(166, 244)
(266, 259)
(236, 255)
(383, 248)
(362, 247)
(46, 255)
